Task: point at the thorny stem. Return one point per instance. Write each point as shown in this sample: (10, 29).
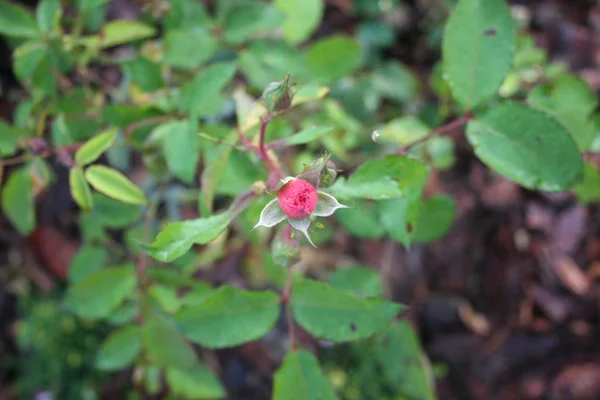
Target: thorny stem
(438, 131)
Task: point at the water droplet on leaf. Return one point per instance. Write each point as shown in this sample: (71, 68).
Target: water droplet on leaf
(375, 136)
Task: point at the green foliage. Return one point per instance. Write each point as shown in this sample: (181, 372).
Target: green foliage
(18, 200)
(120, 349)
(300, 377)
(114, 184)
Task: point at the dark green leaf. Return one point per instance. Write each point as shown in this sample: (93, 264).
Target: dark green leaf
(189, 48)
(399, 216)
(181, 148)
(16, 21)
(435, 217)
(478, 47)
(164, 345)
(197, 383)
(89, 259)
(198, 97)
(362, 222)
(120, 349)
(229, 317)
(249, 18)
(101, 292)
(359, 281)
(307, 135)
(528, 146)
(113, 213)
(145, 73)
(333, 314)
(185, 14)
(18, 200)
(114, 184)
(396, 81)
(300, 378)
(333, 57)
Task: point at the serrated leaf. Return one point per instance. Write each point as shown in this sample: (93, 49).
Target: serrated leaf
(118, 32)
(336, 315)
(300, 378)
(359, 281)
(333, 57)
(478, 47)
(91, 150)
(120, 349)
(114, 184)
(189, 48)
(229, 317)
(527, 146)
(80, 190)
(18, 200)
(164, 345)
(186, 14)
(383, 178)
(101, 292)
(302, 17)
(197, 383)
(178, 237)
(87, 260)
(48, 14)
(588, 191)
(16, 21)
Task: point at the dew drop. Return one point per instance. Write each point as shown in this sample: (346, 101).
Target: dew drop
(375, 136)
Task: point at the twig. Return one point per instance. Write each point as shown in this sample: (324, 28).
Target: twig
(44, 154)
(219, 141)
(274, 172)
(438, 131)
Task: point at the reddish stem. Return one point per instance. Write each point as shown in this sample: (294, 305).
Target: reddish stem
(285, 298)
(274, 172)
(438, 131)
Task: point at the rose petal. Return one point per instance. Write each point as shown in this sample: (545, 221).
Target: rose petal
(326, 205)
(271, 215)
(302, 224)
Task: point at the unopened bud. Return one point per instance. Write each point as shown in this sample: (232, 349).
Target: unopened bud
(277, 96)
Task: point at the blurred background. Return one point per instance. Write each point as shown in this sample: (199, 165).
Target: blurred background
(501, 281)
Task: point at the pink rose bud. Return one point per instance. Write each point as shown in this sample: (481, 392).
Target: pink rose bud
(298, 198)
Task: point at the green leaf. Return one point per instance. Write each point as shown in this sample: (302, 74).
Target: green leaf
(589, 190)
(359, 281)
(165, 296)
(307, 135)
(9, 136)
(336, 315)
(403, 130)
(113, 213)
(189, 48)
(114, 184)
(396, 81)
(181, 148)
(399, 216)
(268, 60)
(229, 317)
(145, 73)
(216, 161)
(478, 47)
(185, 14)
(302, 17)
(119, 32)
(571, 101)
(16, 21)
(201, 96)
(435, 217)
(362, 222)
(178, 237)
(164, 345)
(18, 201)
(527, 146)
(403, 362)
(91, 150)
(249, 18)
(87, 260)
(101, 292)
(27, 58)
(383, 178)
(80, 190)
(120, 349)
(333, 57)
(48, 14)
(195, 384)
(300, 378)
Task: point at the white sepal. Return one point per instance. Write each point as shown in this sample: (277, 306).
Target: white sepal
(271, 215)
(302, 224)
(326, 205)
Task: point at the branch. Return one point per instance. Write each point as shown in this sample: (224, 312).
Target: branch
(438, 131)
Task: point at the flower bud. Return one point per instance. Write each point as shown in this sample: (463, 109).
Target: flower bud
(298, 198)
(277, 96)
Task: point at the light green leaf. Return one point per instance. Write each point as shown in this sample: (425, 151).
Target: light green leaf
(189, 48)
(18, 201)
(589, 190)
(527, 146)
(119, 32)
(229, 317)
(87, 260)
(359, 281)
(165, 296)
(185, 14)
(120, 349)
(27, 58)
(307, 135)
(302, 17)
(197, 383)
(164, 345)
(333, 314)
(300, 378)
(333, 57)
(114, 184)
(383, 178)
(9, 136)
(48, 14)
(80, 190)
(307, 93)
(181, 148)
(249, 18)
(396, 81)
(16, 21)
(91, 150)
(403, 130)
(478, 47)
(178, 237)
(200, 97)
(435, 217)
(145, 73)
(101, 292)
